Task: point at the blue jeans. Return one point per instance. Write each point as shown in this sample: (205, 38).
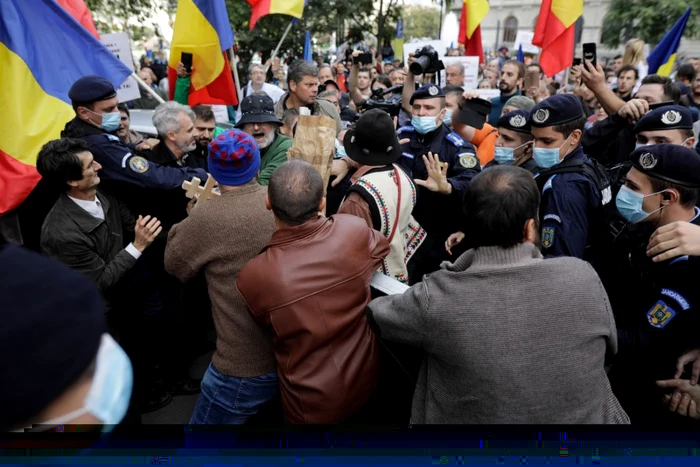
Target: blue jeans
(231, 400)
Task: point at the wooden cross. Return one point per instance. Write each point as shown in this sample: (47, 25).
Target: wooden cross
(203, 193)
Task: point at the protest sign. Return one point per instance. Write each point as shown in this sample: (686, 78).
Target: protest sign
(220, 113)
(524, 38)
(471, 69)
(118, 43)
(488, 94)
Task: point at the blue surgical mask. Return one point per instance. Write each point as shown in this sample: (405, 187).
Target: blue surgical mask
(547, 158)
(110, 392)
(506, 155)
(110, 121)
(339, 150)
(629, 204)
(424, 125)
(448, 117)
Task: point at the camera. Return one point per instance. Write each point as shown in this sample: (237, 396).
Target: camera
(426, 61)
(390, 105)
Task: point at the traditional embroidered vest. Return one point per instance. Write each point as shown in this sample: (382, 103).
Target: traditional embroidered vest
(380, 189)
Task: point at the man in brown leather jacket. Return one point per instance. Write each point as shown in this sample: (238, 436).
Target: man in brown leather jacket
(309, 287)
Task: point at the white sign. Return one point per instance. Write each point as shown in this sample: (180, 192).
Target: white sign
(118, 43)
(471, 69)
(220, 113)
(524, 38)
(488, 94)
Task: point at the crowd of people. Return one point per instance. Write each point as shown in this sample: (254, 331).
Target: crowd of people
(543, 259)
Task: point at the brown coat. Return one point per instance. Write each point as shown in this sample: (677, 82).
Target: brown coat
(310, 287)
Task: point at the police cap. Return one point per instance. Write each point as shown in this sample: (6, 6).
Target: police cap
(428, 91)
(669, 162)
(516, 120)
(556, 110)
(91, 88)
(668, 117)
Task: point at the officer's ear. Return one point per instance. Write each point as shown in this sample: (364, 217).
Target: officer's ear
(689, 143)
(670, 196)
(575, 137)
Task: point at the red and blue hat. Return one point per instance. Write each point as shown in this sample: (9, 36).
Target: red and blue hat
(234, 158)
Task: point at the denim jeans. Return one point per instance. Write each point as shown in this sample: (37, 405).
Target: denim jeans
(231, 400)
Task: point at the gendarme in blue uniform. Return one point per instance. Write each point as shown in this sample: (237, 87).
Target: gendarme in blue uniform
(570, 201)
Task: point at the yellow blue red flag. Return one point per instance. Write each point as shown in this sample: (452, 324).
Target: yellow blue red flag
(662, 58)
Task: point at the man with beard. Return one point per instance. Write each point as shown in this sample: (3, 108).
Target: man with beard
(260, 122)
(204, 131)
(512, 76)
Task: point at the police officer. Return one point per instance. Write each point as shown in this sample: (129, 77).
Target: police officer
(570, 200)
(441, 163)
(124, 174)
(514, 143)
(670, 124)
(654, 303)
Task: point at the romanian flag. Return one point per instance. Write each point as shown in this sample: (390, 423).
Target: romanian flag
(43, 51)
(554, 33)
(261, 8)
(202, 29)
(662, 58)
(473, 12)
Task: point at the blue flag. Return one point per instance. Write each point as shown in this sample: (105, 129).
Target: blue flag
(521, 55)
(308, 53)
(662, 58)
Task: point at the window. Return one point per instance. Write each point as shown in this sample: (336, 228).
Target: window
(578, 29)
(510, 30)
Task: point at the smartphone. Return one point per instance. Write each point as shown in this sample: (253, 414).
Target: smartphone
(577, 61)
(186, 59)
(660, 104)
(589, 52)
(474, 113)
(532, 79)
(365, 58)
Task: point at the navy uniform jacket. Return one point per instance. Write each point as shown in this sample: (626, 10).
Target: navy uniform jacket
(440, 215)
(656, 308)
(125, 175)
(569, 207)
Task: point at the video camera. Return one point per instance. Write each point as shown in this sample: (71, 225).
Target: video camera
(426, 61)
(392, 105)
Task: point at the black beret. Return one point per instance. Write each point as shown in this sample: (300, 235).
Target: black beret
(428, 91)
(669, 162)
(556, 110)
(53, 319)
(91, 88)
(516, 120)
(668, 117)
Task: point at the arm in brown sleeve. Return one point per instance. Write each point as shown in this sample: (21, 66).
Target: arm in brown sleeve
(356, 206)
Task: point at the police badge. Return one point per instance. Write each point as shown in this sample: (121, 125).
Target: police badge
(433, 91)
(138, 164)
(660, 315)
(468, 161)
(647, 161)
(541, 116)
(518, 121)
(548, 236)
(671, 117)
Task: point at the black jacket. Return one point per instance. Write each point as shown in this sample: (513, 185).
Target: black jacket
(91, 246)
(610, 141)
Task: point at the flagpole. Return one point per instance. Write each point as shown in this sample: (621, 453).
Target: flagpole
(147, 88)
(277, 49)
(234, 68)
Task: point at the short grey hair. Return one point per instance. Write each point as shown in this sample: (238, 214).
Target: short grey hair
(299, 69)
(457, 65)
(520, 103)
(253, 66)
(165, 117)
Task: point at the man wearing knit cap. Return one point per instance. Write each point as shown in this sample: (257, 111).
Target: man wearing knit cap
(570, 199)
(654, 303)
(218, 238)
(59, 366)
(670, 124)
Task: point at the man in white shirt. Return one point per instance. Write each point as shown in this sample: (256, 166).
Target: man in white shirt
(257, 83)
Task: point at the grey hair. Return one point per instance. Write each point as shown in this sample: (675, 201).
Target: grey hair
(253, 66)
(299, 69)
(165, 117)
(458, 65)
(520, 103)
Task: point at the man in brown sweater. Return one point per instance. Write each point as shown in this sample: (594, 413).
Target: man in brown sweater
(219, 237)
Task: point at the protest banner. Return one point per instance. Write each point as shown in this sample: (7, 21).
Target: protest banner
(118, 43)
(524, 38)
(488, 94)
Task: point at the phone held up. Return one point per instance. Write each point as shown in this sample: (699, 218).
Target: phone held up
(186, 59)
(589, 53)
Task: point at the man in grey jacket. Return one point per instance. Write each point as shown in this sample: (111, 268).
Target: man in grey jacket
(527, 343)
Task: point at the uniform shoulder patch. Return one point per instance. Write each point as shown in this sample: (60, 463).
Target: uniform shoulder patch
(552, 217)
(548, 185)
(408, 154)
(660, 314)
(467, 160)
(138, 164)
(111, 137)
(548, 236)
(678, 298)
(455, 139)
(406, 129)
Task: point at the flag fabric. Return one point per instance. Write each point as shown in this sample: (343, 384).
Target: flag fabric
(308, 52)
(81, 13)
(397, 43)
(261, 8)
(202, 29)
(43, 51)
(554, 33)
(521, 55)
(662, 58)
(473, 12)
